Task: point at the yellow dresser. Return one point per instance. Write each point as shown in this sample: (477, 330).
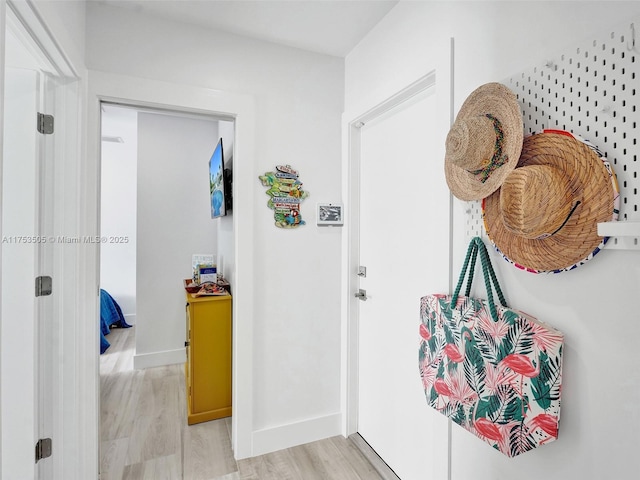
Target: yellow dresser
(208, 367)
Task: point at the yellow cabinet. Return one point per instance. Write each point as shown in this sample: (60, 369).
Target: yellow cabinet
(208, 367)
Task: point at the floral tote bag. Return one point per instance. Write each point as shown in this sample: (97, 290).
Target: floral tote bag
(494, 371)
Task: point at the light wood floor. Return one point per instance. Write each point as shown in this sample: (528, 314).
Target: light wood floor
(144, 434)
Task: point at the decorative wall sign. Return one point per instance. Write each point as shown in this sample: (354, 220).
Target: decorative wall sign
(330, 214)
(285, 190)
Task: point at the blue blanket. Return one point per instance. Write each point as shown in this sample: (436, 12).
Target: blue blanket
(110, 315)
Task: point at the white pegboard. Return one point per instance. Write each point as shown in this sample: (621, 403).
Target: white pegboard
(592, 90)
(475, 224)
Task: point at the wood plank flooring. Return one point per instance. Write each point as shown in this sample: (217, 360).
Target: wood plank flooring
(144, 434)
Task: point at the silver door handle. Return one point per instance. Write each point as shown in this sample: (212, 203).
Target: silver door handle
(361, 294)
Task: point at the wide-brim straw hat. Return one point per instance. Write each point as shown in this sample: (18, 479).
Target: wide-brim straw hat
(545, 216)
(484, 142)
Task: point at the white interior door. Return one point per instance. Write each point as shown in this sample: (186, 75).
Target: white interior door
(18, 273)
(28, 344)
(404, 245)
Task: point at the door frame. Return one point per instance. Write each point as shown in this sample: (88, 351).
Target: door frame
(441, 78)
(146, 93)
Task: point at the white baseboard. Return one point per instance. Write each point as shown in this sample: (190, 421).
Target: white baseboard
(293, 434)
(159, 359)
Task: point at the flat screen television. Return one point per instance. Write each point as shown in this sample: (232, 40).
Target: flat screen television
(218, 183)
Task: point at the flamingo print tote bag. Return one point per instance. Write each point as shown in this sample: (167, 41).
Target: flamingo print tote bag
(494, 371)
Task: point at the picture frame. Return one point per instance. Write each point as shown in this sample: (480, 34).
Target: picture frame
(330, 214)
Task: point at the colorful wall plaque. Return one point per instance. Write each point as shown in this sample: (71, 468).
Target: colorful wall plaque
(285, 190)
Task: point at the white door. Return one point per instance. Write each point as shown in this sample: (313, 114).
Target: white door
(18, 273)
(404, 245)
(28, 330)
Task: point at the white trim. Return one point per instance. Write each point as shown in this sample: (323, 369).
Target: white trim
(449, 108)
(28, 14)
(70, 134)
(351, 125)
(3, 17)
(158, 94)
(350, 242)
(398, 98)
(284, 436)
(158, 359)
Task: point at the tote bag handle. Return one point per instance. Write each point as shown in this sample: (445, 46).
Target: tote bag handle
(477, 245)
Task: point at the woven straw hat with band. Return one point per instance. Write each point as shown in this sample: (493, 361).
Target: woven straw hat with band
(484, 143)
(545, 216)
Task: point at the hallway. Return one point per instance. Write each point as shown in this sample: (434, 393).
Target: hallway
(144, 433)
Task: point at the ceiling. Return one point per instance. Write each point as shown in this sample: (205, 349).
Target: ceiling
(331, 27)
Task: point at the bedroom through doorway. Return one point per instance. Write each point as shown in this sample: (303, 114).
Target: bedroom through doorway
(155, 215)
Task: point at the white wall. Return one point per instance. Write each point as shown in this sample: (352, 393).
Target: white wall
(298, 98)
(118, 208)
(174, 222)
(601, 390)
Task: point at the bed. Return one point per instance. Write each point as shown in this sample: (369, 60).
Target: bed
(110, 316)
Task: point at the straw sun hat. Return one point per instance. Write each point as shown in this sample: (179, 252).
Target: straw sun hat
(484, 142)
(544, 217)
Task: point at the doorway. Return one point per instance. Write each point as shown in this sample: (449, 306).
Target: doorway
(399, 252)
(155, 215)
(125, 90)
(118, 211)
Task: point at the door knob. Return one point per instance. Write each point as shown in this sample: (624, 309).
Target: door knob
(361, 294)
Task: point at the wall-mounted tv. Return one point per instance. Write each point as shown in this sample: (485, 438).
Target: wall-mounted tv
(218, 183)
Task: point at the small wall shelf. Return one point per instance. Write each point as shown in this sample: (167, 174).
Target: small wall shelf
(624, 235)
(619, 229)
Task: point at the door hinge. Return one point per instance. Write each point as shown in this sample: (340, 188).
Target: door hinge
(43, 449)
(44, 286)
(45, 123)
